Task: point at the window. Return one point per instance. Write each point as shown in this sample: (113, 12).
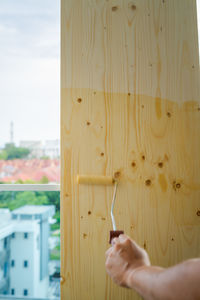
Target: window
(29, 142)
(5, 243)
(25, 292)
(12, 263)
(12, 291)
(25, 263)
(13, 235)
(26, 235)
(5, 269)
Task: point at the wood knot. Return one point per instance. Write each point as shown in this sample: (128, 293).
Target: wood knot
(160, 164)
(79, 100)
(176, 185)
(148, 182)
(133, 7)
(114, 8)
(88, 123)
(198, 213)
(84, 235)
(89, 212)
(133, 164)
(168, 114)
(117, 174)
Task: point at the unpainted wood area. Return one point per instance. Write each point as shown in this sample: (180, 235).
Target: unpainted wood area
(130, 109)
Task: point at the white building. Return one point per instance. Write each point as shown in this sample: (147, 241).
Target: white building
(50, 148)
(24, 253)
(36, 148)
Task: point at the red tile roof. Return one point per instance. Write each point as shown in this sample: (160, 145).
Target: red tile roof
(33, 169)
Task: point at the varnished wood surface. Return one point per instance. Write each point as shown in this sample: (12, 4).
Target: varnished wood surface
(130, 108)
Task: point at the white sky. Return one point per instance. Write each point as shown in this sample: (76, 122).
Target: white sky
(29, 69)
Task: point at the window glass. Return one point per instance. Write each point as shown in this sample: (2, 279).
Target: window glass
(12, 291)
(29, 91)
(25, 264)
(25, 234)
(12, 263)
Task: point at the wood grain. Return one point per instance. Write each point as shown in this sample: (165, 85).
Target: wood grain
(130, 108)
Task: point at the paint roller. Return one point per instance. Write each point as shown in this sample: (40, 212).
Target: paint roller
(104, 180)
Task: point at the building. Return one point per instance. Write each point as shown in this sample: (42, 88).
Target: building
(24, 253)
(36, 148)
(50, 148)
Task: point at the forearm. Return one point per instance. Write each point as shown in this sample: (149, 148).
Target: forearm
(143, 280)
(178, 282)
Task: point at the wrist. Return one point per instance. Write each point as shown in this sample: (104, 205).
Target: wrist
(132, 274)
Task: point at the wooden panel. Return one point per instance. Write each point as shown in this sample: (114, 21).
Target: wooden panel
(130, 106)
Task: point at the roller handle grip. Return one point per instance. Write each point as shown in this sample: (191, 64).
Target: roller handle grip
(114, 234)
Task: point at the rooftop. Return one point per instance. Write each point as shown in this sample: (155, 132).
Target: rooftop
(33, 209)
(29, 169)
(41, 212)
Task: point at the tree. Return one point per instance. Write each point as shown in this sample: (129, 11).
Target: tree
(11, 152)
(44, 180)
(3, 155)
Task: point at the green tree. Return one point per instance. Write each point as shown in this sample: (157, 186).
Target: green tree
(44, 180)
(14, 200)
(3, 155)
(11, 152)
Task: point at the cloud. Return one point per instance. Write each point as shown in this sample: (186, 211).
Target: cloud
(29, 68)
(25, 25)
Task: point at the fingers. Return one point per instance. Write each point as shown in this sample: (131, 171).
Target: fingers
(123, 240)
(120, 239)
(108, 252)
(114, 241)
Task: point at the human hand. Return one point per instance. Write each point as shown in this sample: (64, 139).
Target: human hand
(123, 258)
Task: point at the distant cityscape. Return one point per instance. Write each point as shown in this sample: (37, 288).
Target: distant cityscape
(39, 149)
(30, 170)
(41, 164)
(29, 223)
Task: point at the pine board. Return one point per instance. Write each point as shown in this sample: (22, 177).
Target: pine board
(130, 106)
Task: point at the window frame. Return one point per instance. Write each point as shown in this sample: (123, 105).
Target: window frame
(29, 187)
